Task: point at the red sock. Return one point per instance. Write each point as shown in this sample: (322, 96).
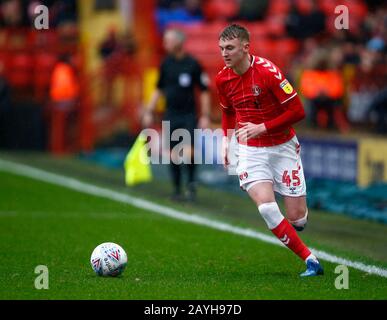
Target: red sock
(288, 236)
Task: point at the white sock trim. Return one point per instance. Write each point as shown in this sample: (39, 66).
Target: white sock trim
(311, 256)
(271, 213)
(301, 222)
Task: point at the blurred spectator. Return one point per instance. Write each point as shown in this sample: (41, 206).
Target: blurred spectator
(109, 45)
(301, 25)
(64, 87)
(323, 87)
(378, 111)
(128, 43)
(252, 10)
(64, 91)
(117, 53)
(62, 12)
(13, 14)
(368, 81)
(351, 54)
(375, 4)
(20, 13)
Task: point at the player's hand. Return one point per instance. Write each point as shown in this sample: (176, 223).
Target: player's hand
(225, 145)
(204, 122)
(249, 130)
(147, 119)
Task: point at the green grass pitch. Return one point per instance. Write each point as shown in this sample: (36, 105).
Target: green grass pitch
(44, 224)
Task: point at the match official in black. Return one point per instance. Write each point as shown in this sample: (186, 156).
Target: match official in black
(180, 74)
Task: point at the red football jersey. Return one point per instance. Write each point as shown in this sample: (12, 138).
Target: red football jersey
(257, 96)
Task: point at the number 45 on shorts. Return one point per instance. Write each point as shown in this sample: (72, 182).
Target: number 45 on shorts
(294, 179)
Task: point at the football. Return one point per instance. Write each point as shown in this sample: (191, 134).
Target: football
(108, 259)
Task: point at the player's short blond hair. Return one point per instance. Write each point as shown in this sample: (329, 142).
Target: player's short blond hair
(235, 31)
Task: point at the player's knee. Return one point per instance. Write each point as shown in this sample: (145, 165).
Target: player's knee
(296, 213)
(271, 213)
(301, 220)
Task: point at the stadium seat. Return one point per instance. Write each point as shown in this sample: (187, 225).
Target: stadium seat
(278, 7)
(304, 6)
(20, 71)
(220, 9)
(276, 25)
(202, 46)
(44, 64)
(43, 39)
(328, 6)
(257, 29)
(4, 62)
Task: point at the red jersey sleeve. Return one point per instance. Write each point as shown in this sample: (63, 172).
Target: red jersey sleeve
(286, 96)
(278, 84)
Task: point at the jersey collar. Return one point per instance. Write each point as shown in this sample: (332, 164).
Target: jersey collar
(252, 60)
(251, 65)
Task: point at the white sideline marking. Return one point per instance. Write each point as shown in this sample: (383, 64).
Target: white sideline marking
(83, 187)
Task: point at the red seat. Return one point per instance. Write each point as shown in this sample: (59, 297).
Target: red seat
(4, 62)
(304, 6)
(20, 70)
(257, 29)
(220, 9)
(44, 64)
(278, 7)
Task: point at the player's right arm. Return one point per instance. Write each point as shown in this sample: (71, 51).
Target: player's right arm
(228, 121)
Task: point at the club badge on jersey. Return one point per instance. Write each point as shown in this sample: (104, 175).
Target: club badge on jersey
(286, 87)
(256, 90)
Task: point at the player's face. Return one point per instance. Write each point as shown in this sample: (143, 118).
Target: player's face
(233, 51)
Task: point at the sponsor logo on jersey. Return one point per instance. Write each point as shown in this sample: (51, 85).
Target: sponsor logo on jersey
(256, 90)
(286, 87)
(243, 176)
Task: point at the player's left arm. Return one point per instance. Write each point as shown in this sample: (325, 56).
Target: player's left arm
(294, 112)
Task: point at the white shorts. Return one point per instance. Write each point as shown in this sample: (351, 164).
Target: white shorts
(280, 165)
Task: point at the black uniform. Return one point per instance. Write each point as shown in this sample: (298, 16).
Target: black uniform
(178, 79)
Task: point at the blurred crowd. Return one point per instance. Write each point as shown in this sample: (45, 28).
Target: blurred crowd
(341, 73)
(21, 13)
(188, 11)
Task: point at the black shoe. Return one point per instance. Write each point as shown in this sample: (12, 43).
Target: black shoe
(191, 193)
(299, 229)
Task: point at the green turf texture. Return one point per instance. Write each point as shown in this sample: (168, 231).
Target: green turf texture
(43, 224)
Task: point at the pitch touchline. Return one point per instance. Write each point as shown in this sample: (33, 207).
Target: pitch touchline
(83, 187)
